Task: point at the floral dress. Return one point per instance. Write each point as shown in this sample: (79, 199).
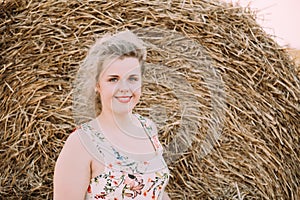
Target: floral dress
(124, 178)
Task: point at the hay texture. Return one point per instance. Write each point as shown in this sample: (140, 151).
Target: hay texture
(253, 154)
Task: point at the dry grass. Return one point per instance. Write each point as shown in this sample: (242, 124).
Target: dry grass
(257, 152)
(295, 55)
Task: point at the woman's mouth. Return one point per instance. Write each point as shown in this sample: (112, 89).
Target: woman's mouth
(123, 99)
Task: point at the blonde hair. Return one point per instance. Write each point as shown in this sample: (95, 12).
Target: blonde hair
(86, 104)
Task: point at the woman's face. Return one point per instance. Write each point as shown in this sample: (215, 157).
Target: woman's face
(119, 85)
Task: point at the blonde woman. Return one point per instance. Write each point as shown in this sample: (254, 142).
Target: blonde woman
(116, 154)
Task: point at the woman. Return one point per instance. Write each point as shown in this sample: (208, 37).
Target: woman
(116, 155)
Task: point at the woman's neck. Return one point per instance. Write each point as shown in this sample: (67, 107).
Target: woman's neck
(118, 119)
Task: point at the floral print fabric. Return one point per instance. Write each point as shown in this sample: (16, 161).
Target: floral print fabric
(125, 178)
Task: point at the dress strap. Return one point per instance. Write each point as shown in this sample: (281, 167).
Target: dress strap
(88, 141)
(149, 131)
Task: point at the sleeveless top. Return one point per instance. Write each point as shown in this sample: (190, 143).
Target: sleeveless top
(124, 178)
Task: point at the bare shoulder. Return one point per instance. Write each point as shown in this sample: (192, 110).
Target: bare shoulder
(74, 147)
(73, 139)
(72, 170)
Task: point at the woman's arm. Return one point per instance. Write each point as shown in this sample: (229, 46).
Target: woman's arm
(72, 170)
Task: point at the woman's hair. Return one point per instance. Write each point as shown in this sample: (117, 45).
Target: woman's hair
(108, 48)
(120, 45)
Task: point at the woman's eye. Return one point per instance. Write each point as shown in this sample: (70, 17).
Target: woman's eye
(112, 80)
(133, 79)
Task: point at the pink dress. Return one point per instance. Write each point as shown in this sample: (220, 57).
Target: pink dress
(124, 178)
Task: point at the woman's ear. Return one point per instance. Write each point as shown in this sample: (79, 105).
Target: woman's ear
(97, 88)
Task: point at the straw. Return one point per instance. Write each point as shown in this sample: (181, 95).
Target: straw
(242, 102)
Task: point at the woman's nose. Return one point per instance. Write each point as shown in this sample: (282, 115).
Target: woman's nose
(123, 85)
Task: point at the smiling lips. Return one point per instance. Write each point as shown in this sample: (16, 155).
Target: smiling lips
(123, 99)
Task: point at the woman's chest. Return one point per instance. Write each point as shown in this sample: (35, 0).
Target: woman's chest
(123, 185)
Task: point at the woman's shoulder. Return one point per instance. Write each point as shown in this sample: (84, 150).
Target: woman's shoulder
(90, 139)
(74, 150)
(148, 124)
(83, 129)
(77, 135)
(73, 140)
(151, 127)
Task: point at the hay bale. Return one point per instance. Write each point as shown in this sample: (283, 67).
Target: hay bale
(257, 152)
(295, 54)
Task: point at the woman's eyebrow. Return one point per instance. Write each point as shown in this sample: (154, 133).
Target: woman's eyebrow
(113, 75)
(116, 76)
